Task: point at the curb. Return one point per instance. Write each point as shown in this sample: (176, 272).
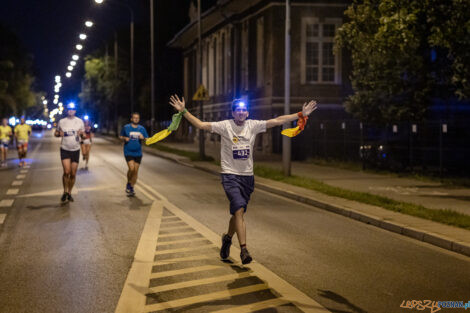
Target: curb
(424, 236)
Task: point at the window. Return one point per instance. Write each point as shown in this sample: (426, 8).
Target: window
(245, 74)
(211, 67)
(259, 52)
(205, 78)
(319, 64)
(222, 64)
(228, 60)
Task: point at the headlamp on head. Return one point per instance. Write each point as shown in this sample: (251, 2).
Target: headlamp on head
(71, 106)
(239, 104)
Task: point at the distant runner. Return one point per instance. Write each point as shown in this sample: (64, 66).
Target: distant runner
(22, 134)
(5, 136)
(86, 143)
(71, 129)
(237, 139)
(132, 134)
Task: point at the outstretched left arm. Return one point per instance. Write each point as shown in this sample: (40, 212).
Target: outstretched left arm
(306, 110)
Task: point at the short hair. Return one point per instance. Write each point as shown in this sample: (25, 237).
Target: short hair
(236, 104)
(135, 113)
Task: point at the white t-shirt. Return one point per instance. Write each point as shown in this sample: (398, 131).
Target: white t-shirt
(70, 127)
(236, 153)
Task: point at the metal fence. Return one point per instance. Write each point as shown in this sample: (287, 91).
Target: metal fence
(432, 146)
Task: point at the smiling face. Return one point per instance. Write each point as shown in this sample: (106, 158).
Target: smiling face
(240, 114)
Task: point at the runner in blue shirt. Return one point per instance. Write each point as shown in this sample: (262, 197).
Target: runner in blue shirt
(132, 134)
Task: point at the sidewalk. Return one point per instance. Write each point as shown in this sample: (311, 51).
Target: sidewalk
(444, 236)
(432, 195)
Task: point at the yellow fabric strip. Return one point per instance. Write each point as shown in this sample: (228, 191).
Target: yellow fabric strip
(158, 136)
(291, 132)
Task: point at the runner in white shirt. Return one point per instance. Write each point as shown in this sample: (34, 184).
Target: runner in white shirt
(71, 129)
(237, 139)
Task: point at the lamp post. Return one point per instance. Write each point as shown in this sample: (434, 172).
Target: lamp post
(152, 66)
(286, 143)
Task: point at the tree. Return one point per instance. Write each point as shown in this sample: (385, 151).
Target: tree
(398, 62)
(16, 80)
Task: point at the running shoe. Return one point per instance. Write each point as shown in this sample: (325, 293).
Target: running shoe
(64, 197)
(128, 188)
(132, 192)
(225, 249)
(245, 256)
(69, 197)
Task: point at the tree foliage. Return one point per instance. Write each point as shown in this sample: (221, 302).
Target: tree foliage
(16, 79)
(404, 53)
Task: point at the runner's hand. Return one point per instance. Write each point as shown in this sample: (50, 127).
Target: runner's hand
(141, 137)
(307, 109)
(126, 139)
(177, 103)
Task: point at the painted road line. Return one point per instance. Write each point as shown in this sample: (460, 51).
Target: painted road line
(12, 191)
(2, 218)
(165, 223)
(286, 290)
(132, 298)
(165, 243)
(173, 226)
(17, 183)
(206, 256)
(188, 270)
(205, 298)
(198, 282)
(168, 251)
(168, 217)
(176, 228)
(6, 203)
(272, 303)
(20, 176)
(25, 171)
(178, 234)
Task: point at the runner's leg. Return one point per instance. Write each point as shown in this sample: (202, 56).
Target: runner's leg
(73, 175)
(134, 175)
(130, 171)
(66, 164)
(239, 226)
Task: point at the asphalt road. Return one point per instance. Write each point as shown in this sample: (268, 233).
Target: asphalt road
(76, 257)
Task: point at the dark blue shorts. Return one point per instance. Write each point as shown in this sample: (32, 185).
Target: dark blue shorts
(238, 189)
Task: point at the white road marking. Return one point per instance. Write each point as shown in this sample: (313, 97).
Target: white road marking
(12, 191)
(21, 176)
(17, 183)
(24, 171)
(6, 203)
(2, 218)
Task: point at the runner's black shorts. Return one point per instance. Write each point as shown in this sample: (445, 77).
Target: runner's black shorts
(74, 156)
(238, 189)
(136, 159)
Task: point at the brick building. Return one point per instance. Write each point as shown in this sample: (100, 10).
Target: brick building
(243, 56)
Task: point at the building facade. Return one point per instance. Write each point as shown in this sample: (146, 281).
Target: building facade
(243, 56)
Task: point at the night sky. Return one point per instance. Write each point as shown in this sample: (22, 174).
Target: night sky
(49, 30)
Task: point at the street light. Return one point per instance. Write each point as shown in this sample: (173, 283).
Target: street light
(75, 57)
(82, 36)
(79, 47)
(99, 1)
(88, 23)
(68, 74)
(70, 68)
(57, 79)
(73, 63)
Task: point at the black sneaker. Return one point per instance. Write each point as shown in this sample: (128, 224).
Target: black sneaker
(69, 197)
(225, 249)
(245, 256)
(64, 197)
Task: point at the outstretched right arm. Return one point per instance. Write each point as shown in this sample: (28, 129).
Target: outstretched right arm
(179, 105)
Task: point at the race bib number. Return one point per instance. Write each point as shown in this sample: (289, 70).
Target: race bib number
(134, 135)
(241, 152)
